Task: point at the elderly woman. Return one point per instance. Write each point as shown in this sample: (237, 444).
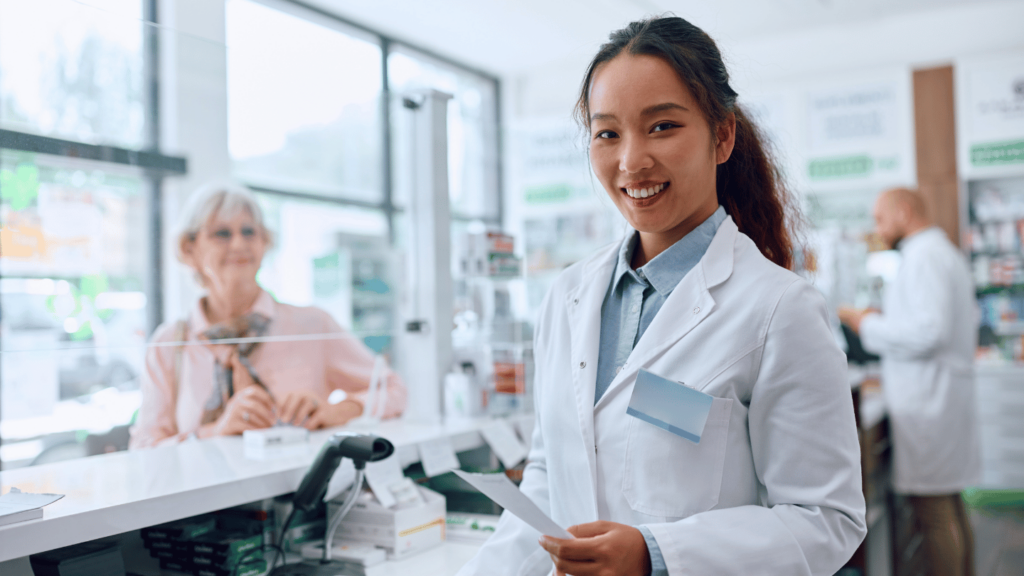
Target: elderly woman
(225, 379)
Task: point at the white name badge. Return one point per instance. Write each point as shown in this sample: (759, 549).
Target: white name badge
(669, 405)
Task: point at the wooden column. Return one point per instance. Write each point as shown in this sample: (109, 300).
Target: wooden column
(935, 128)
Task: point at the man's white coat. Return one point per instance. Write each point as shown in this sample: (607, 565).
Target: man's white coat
(926, 336)
(773, 487)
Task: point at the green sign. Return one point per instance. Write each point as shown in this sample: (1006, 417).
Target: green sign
(997, 154)
(844, 167)
(548, 193)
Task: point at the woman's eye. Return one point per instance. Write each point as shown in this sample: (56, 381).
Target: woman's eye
(223, 234)
(606, 134)
(664, 126)
(248, 232)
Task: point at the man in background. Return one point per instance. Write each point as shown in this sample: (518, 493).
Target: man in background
(926, 336)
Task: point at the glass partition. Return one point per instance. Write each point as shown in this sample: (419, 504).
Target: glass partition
(110, 125)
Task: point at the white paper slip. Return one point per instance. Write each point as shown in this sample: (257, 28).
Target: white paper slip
(438, 456)
(499, 488)
(18, 506)
(525, 429)
(503, 440)
(381, 476)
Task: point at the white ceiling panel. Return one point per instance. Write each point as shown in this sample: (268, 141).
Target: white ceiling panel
(508, 36)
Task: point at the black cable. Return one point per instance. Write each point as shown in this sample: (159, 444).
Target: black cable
(279, 548)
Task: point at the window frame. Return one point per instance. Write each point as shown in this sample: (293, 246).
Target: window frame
(388, 43)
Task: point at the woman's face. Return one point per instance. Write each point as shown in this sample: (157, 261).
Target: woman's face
(651, 146)
(227, 252)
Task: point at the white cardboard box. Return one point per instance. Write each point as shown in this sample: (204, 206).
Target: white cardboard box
(401, 531)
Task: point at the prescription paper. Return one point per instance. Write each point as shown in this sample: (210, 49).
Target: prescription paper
(499, 488)
(438, 456)
(502, 439)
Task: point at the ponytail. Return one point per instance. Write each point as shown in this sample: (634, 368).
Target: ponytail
(750, 188)
(749, 184)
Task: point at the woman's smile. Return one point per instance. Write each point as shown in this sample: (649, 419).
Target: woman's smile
(645, 193)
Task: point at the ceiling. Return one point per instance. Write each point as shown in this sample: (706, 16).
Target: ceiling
(506, 37)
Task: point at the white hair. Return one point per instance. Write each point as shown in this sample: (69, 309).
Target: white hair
(219, 199)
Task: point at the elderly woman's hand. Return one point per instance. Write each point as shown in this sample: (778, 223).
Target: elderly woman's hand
(250, 409)
(329, 415)
(297, 407)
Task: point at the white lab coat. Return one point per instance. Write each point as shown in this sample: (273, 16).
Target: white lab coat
(773, 487)
(926, 337)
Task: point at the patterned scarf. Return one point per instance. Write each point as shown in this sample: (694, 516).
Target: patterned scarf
(251, 325)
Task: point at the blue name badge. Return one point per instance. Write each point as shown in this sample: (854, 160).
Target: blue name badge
(669, 405)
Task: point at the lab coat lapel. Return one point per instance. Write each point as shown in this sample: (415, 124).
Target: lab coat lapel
(688, 305)
(583, 303)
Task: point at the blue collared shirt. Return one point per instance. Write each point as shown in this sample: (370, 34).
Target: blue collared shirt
(633, 299)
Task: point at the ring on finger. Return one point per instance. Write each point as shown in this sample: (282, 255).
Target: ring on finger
(245, 416)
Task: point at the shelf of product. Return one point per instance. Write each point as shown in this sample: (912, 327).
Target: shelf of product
(995, 240)
(491, 342)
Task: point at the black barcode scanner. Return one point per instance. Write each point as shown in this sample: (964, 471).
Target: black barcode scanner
(361, 448)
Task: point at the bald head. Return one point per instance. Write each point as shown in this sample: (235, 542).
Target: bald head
(898, 213)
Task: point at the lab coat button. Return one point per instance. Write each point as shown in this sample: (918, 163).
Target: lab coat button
(575, 300)
(583, 364)
(696, 310)
(634, 309)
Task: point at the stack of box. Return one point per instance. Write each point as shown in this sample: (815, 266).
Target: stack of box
(86, 559)
(491, 254)
(200, 546)
(402, 530)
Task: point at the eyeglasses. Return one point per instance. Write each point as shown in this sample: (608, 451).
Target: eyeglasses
(224, 234)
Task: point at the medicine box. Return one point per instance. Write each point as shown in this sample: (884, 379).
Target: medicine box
(401, 531)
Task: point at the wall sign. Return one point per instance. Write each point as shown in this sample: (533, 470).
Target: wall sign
(839, 133)
(990, 99)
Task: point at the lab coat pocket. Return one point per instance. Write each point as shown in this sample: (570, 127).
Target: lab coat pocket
(667, 475)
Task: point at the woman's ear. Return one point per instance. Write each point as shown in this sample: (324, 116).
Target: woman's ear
(725, 137)
(186, 249)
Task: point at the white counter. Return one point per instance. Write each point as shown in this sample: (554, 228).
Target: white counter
(120, 492)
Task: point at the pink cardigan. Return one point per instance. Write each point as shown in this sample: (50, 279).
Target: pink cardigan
(172, 406)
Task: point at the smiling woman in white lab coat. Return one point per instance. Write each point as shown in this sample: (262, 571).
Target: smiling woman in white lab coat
(696, 294)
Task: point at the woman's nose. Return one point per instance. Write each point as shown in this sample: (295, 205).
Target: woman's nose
(239, 240)
(635, 156)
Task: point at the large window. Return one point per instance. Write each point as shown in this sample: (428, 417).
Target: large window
(73, 70)
(310, 129)
(472, 131)
(77, 268)
(303, 109)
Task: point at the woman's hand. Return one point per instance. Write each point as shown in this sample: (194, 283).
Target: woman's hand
(297, 407)
(329, 415)
(249, 409)
(600, 549)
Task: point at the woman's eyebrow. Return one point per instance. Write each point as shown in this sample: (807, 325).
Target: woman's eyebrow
(663, 107)
(650, 110)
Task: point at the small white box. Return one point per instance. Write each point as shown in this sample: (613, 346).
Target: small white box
(401, 531)
(275, 442)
